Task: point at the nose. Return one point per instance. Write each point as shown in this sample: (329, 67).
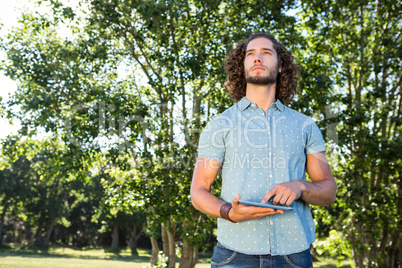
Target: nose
(258, 58)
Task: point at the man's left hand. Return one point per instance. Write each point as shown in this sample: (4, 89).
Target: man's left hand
(284, 193)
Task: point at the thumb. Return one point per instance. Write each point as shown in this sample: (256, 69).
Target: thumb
(235, 201)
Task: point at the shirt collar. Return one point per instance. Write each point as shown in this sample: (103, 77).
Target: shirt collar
(245, 103)
(279, 105)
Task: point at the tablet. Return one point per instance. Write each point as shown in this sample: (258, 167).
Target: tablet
(267, 205)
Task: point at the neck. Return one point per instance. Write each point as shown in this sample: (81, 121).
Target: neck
(263, 96)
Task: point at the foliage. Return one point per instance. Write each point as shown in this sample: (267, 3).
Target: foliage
(124, 96)
(162, 261)
(42, 183)
(179, 46)
(360, 42)
(334, 246)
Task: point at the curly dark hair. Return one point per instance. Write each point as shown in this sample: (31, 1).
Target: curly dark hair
(286, 83)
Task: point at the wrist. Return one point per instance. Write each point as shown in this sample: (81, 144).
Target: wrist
(303, 188)
(224, 211)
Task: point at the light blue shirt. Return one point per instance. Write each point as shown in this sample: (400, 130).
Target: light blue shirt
(257, 152)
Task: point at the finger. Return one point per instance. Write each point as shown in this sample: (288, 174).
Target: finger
(261, 210)
(287, 198)
(280, 211)
(281, 199)
(269, 213)
(290, 200)
(271, 193)
(278, 197)
(235, 201)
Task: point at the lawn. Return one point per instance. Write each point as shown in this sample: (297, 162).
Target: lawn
(60, 257)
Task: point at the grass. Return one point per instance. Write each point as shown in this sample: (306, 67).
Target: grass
(331, 263)
(58, 257)
(69, 257)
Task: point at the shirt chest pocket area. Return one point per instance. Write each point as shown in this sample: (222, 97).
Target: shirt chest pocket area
(252, 135)
(290, 142)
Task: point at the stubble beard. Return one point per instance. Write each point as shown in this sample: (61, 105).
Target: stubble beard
(263, 80)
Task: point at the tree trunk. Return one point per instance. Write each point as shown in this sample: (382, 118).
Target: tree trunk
(133, 247)
(186, 255)
(391, 253)
(165, 240)
(3, 215)
(38, 237)
(357, 259)
(1, 231)
(115, 237)
(189, 255)
(155, 251)
(134, 236)
(172, 249)
(357, 256)
(28, 232)
(400, 255)
(170, 230)
(195, 257)
(48, 233)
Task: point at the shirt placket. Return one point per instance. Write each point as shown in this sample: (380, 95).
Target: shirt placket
(270, 223)
(268, 152)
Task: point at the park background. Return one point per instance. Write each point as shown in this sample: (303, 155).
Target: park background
(110, 98)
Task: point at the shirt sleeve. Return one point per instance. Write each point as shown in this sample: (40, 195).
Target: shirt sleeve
(314, 140)
(212, 140)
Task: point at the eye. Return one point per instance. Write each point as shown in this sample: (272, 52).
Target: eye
(267, 53)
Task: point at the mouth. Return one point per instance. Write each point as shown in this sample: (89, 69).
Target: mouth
(258, 68)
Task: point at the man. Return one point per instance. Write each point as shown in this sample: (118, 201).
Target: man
(262, 149)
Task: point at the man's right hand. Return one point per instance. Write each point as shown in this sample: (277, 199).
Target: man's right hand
(240, 212)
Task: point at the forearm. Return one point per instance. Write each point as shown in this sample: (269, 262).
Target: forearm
(204, 175)
(320, 193)
(206, 202)
(322, 190)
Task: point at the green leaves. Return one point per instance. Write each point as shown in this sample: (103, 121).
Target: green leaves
(357, 39)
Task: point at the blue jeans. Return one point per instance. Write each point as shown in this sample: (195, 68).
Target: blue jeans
(226, 258)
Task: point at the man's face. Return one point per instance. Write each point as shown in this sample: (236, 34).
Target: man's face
(261, 62)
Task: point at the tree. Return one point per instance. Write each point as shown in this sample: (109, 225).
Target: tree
(79, 229)
(120, 206)
(177, 49)
(67, 87)
(39, 182)
(180, 46)
(15, 177)
(361, 41)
